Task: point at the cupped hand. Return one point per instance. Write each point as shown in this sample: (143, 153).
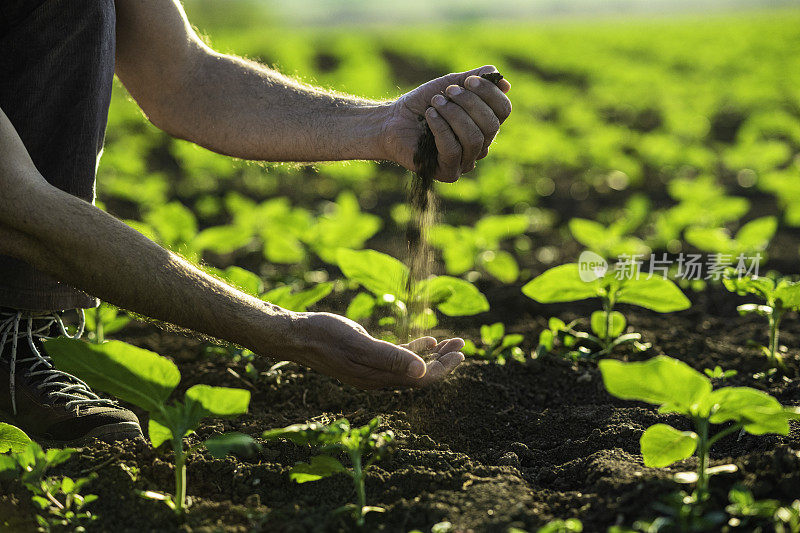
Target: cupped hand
(464, 112)
(341, 348)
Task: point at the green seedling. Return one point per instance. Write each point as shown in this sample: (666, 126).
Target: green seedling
(718, 373)
(752, 238)
(565, 283)
(284, 296)
(364, 446)
(702, 202)
(677, 388)
(779, 296)
(386, 278)
(496, 345)
(175, 227)
(103, 320)
(147, 380)
(614, 240)
(462, 247)
(747, 512)
(59, 500)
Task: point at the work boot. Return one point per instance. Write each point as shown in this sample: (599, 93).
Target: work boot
(54, 408)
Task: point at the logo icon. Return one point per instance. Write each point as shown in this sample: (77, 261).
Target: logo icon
(591, 266)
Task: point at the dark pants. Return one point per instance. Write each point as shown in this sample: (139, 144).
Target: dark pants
(56, 74)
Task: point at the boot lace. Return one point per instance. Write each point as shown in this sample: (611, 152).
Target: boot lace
(16, 326)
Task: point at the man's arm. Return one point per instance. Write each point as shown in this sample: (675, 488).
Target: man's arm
(91, 250)
(239, 108)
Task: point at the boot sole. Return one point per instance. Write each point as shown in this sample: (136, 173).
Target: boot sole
(108, 433)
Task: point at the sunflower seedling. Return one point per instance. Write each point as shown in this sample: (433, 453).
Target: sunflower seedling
(779, 297)
(496, 345)
(387, 279)
(565, 283)
(463, 246)
(59, 500)
(147, 380)
(677, 388)
(364, 446)
(718, 373)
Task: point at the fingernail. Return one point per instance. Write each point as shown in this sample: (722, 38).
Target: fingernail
(439, 100)
(432, 113)
(454, 90)
(416, 369)
(472, 82)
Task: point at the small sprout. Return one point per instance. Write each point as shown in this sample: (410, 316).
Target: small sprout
(496, 345)
(147, 380)
(364, 446)
(720, 374)
(779, 296)
(59, 500)
(567, 283)
(677, 388)
(387, 279)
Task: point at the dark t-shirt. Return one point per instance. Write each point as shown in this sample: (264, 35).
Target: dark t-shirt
(56, 74)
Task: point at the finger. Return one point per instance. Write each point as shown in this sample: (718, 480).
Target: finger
(491, 94)
(397, 360)
(441, 368)
(479, 111)
(449, 345)
(469, 135)
(447, 145)
(420, 345)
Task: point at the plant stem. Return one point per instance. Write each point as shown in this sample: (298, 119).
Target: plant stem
(774, 323)
(180, 476)
(358, 479)
(702, 454)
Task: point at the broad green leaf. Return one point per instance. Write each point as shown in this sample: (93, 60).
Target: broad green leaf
(345, 226)
(12, 438)
(296, 433)
(298, 301)
(501, 265)
(159, 433)
(660, 380)
(656, 293)
(560, 284)
(231, 443)
(132, 374)
(221, 239)
(242, 279)
(320, 466)
(378, 273)
(757, 410)
(789, 294)
(220, 401)
(663, 445)
(756, 234)
(283, 247)
(589, 233)
(361, 307)
(174, 223)
(454, 296)
(617, 323)
(494, 228)
(710, 239)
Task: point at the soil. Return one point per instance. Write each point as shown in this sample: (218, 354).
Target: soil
(493, 446)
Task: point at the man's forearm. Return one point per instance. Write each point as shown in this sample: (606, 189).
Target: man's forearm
(240, 108)
(89, 249)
